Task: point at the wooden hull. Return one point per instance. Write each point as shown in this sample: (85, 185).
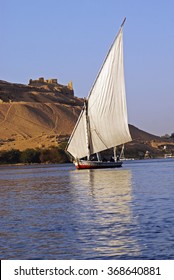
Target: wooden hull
(85, 164)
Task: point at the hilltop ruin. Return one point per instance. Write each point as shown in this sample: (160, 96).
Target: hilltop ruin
(53, 83)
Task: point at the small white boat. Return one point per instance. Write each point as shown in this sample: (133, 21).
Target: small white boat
(103, 122)
(168, 156)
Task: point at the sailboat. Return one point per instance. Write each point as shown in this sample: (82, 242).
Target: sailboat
(103, 122)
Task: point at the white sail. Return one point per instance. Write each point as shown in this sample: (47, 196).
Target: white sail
(107, 111)
(77, 145)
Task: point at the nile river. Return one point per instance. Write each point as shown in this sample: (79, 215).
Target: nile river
(57, 212)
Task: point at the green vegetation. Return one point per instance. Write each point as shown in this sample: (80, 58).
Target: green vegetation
(51, 155)
(10, 157)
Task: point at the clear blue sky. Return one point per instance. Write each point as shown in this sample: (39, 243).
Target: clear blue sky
(68, 40)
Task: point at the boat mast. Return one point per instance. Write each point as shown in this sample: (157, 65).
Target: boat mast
(88, 140)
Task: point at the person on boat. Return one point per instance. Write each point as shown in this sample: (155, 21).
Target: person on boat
(118, 158)
(93, 158)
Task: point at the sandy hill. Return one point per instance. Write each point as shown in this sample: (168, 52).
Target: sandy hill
(43, 114)
(35, 116)
(144, 143)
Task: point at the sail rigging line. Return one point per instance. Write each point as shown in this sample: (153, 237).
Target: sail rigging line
(99, 136)
(88, 134)
(115, 153)
(121, 27)
(98, 157)
(122, 152)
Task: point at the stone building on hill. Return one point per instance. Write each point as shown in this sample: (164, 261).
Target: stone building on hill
(43, 81)
(53, 83)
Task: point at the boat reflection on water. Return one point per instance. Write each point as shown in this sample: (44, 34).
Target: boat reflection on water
(104, 203)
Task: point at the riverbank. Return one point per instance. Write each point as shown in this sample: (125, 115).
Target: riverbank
(34, 156)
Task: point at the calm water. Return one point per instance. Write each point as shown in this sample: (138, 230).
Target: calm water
(57, 212)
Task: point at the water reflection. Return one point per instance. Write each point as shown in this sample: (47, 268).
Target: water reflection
(56, 212)
(104, 205)
(60, 213)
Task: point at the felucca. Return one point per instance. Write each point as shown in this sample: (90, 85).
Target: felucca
(103, 121)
